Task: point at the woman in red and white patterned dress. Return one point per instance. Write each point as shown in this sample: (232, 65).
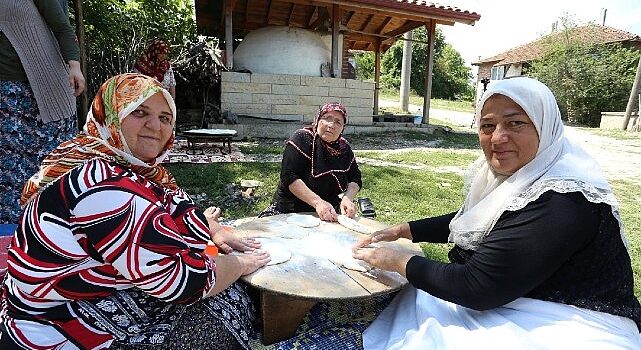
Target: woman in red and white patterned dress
(109, 251)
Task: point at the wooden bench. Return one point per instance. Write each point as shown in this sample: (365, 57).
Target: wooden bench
(196, 136)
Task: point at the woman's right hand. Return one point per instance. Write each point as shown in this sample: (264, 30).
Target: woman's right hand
(389, 234)
(76, 79)
(325, 211)
(253, 261)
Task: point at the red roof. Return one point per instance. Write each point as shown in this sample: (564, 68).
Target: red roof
(423, 6)
(594, 34)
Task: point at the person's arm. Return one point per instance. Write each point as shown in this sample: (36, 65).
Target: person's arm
(524, 249)
(433, 230)
(58, 22)
(323, 208)
(355, 183)
(347, 202)
(145, 245)
(293, 165)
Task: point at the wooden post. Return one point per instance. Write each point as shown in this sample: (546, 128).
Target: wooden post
(377, 73)
(336, 24)
(229, 35)
(80, 33)
(633, 97)
(429, 64)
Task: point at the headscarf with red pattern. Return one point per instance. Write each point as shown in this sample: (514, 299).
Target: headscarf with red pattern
(326, 157)
(150, 64)
(103, 138)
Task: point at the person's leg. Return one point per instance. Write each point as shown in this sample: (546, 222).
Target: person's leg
(25, 142)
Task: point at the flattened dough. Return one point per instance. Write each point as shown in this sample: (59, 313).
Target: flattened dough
(277, 250)
(291, 231)
(303, 220)
(353, 225)
(356, 265)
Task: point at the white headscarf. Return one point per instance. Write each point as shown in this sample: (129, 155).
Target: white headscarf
(560, 165)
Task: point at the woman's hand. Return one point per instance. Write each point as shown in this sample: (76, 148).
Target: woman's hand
(227, 241)
(347, 207)
(253, 261)
(383, 258)
(389, 234)
(325, 211)
(76, 79)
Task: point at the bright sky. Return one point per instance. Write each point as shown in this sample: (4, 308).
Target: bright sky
(508, 23)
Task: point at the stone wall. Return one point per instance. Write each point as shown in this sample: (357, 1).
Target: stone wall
(614, 120)
(294, 97)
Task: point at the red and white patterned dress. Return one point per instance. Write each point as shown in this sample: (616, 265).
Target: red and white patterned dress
(114, 230)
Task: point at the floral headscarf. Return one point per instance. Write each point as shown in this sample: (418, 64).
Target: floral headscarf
(103, 138)
(340, 145)
(150, 64)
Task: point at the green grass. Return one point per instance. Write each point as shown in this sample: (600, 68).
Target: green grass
(614, 133)
(461, 106)
(629, 196)
(258, 148)
(438, 158)
(447, 139)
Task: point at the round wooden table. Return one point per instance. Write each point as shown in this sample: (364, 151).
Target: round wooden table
(314, 272)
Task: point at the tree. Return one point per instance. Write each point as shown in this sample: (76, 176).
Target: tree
(450, 76)
(585, 78)
(117, 32)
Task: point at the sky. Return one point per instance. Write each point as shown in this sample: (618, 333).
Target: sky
(507, 23)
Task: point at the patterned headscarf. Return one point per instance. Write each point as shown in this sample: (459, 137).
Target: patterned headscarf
(103, 137)
(340, 145)
(150, 64)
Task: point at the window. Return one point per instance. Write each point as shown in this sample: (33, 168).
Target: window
(498, 72)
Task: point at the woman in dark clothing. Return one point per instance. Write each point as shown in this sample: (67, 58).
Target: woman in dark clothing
(540, 259)
(318, 165)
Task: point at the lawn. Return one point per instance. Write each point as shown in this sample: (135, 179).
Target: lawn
(398, 194)
(461, 106)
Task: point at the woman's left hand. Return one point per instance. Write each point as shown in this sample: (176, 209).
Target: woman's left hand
(227, 241)
(347, 207)
(384, 258)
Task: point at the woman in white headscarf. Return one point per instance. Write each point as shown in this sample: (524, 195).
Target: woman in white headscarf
(540, 258)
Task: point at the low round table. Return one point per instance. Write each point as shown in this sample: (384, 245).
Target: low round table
(314, 272)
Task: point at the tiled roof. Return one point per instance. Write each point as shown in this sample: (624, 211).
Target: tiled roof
(591, 34)
(424, 6)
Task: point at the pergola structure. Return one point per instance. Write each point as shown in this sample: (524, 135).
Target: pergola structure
(369, 25)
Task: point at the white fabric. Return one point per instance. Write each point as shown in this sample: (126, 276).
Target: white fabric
(560, 165)
(418, 320)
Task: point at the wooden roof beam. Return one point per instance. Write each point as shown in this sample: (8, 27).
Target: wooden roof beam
(311, 15)
(323, 15)
(349, 17)
(291, 13)
(383, 25)
(391, 35)
(366, 22)
(269, 11)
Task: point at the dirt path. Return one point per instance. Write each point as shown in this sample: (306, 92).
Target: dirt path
(619, 159)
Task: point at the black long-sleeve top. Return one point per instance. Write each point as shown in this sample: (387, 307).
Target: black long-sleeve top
(297, 165)
(559, 248)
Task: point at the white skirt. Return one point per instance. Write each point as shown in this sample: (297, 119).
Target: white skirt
(418, 320)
